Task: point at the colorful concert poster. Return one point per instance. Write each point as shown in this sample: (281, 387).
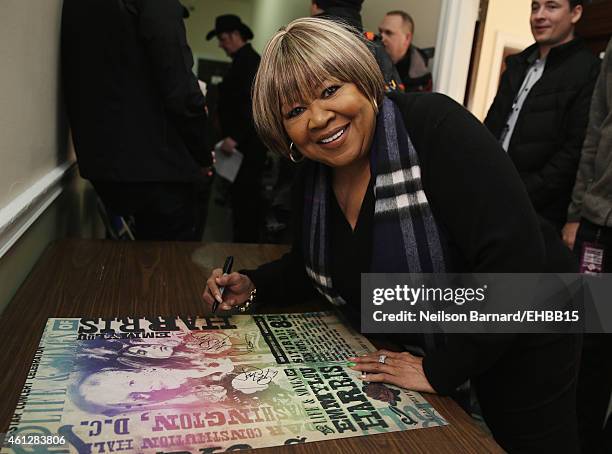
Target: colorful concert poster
(202, 385)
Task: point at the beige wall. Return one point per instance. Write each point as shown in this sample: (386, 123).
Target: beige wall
(33, 129)
(33, 137)
(270, 15)
(426, 15)
(507, 23)
(265, 17)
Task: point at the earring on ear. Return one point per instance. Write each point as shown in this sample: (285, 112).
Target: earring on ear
(294, 154)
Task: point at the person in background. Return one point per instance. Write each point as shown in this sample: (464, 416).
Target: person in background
(136, 111)
(589, 233)
(236, 120)
(405, 183)
(541, 109)
(349, 12)
(396, 31)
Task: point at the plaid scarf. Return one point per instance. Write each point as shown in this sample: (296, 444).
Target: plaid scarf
(405, 233)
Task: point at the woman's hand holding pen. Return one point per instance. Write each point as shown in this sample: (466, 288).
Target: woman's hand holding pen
(237, 286)
(400, 369)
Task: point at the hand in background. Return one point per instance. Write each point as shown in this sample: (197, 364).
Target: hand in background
(568, 233)
(238, 289)
(228, 145)
(399, 369)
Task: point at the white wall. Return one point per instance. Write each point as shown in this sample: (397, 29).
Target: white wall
(454, 47)
(41, 198)
(426, 15)
(33, 129)
(33, 138)
(507, 23)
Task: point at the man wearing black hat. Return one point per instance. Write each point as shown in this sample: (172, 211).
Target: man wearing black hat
(237, 127)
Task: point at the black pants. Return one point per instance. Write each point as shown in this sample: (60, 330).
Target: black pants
(595, 379)
(163, 211)
(247, 204)
(528, 398)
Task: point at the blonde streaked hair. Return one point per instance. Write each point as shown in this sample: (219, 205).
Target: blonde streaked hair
(295, 64)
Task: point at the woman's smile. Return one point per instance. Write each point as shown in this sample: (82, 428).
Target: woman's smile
(336, 138)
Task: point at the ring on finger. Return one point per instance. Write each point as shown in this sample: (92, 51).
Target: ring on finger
(382, 359)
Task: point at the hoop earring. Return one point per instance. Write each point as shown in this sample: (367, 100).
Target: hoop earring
(295, 155)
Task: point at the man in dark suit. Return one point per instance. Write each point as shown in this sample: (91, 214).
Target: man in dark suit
(237, 127)
(136, 111)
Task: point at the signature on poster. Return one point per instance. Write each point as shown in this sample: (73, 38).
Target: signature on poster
(253, 379)
(216, 342)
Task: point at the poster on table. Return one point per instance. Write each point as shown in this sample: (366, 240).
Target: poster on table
(202, 385)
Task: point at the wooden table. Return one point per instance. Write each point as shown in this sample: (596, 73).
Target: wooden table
(85, 278)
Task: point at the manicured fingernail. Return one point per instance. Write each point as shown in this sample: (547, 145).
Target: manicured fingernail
(351, 364)
(363, 377)
(218, 298)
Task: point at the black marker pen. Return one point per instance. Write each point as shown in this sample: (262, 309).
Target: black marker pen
(227, 268)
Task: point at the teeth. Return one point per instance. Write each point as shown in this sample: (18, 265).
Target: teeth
(334, 137)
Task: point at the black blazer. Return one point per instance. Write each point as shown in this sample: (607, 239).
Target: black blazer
(547, 139)
(525, 383)
(134, 106)
(235, 106)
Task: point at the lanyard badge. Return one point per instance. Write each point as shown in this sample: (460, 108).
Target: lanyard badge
(592, 257)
